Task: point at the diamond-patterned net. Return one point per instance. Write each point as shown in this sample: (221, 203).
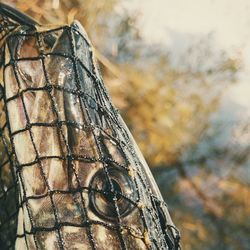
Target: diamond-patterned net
(71, 175)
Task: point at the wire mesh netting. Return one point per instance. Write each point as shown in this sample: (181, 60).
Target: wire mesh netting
(71, 175)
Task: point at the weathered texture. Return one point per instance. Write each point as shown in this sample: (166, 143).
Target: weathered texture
(72, 176)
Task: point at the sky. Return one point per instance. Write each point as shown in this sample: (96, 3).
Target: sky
(227, 20)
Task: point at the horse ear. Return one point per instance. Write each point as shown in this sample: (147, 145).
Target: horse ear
(12, 15)
(6, 27)
(10, 19)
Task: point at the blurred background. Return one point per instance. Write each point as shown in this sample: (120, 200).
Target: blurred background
(179, 72)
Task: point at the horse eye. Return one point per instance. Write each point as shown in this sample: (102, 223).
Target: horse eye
(106, 192)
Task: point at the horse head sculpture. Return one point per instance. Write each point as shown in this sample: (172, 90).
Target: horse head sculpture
(72, 176)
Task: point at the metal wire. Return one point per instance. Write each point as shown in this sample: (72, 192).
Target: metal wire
(71, 176)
